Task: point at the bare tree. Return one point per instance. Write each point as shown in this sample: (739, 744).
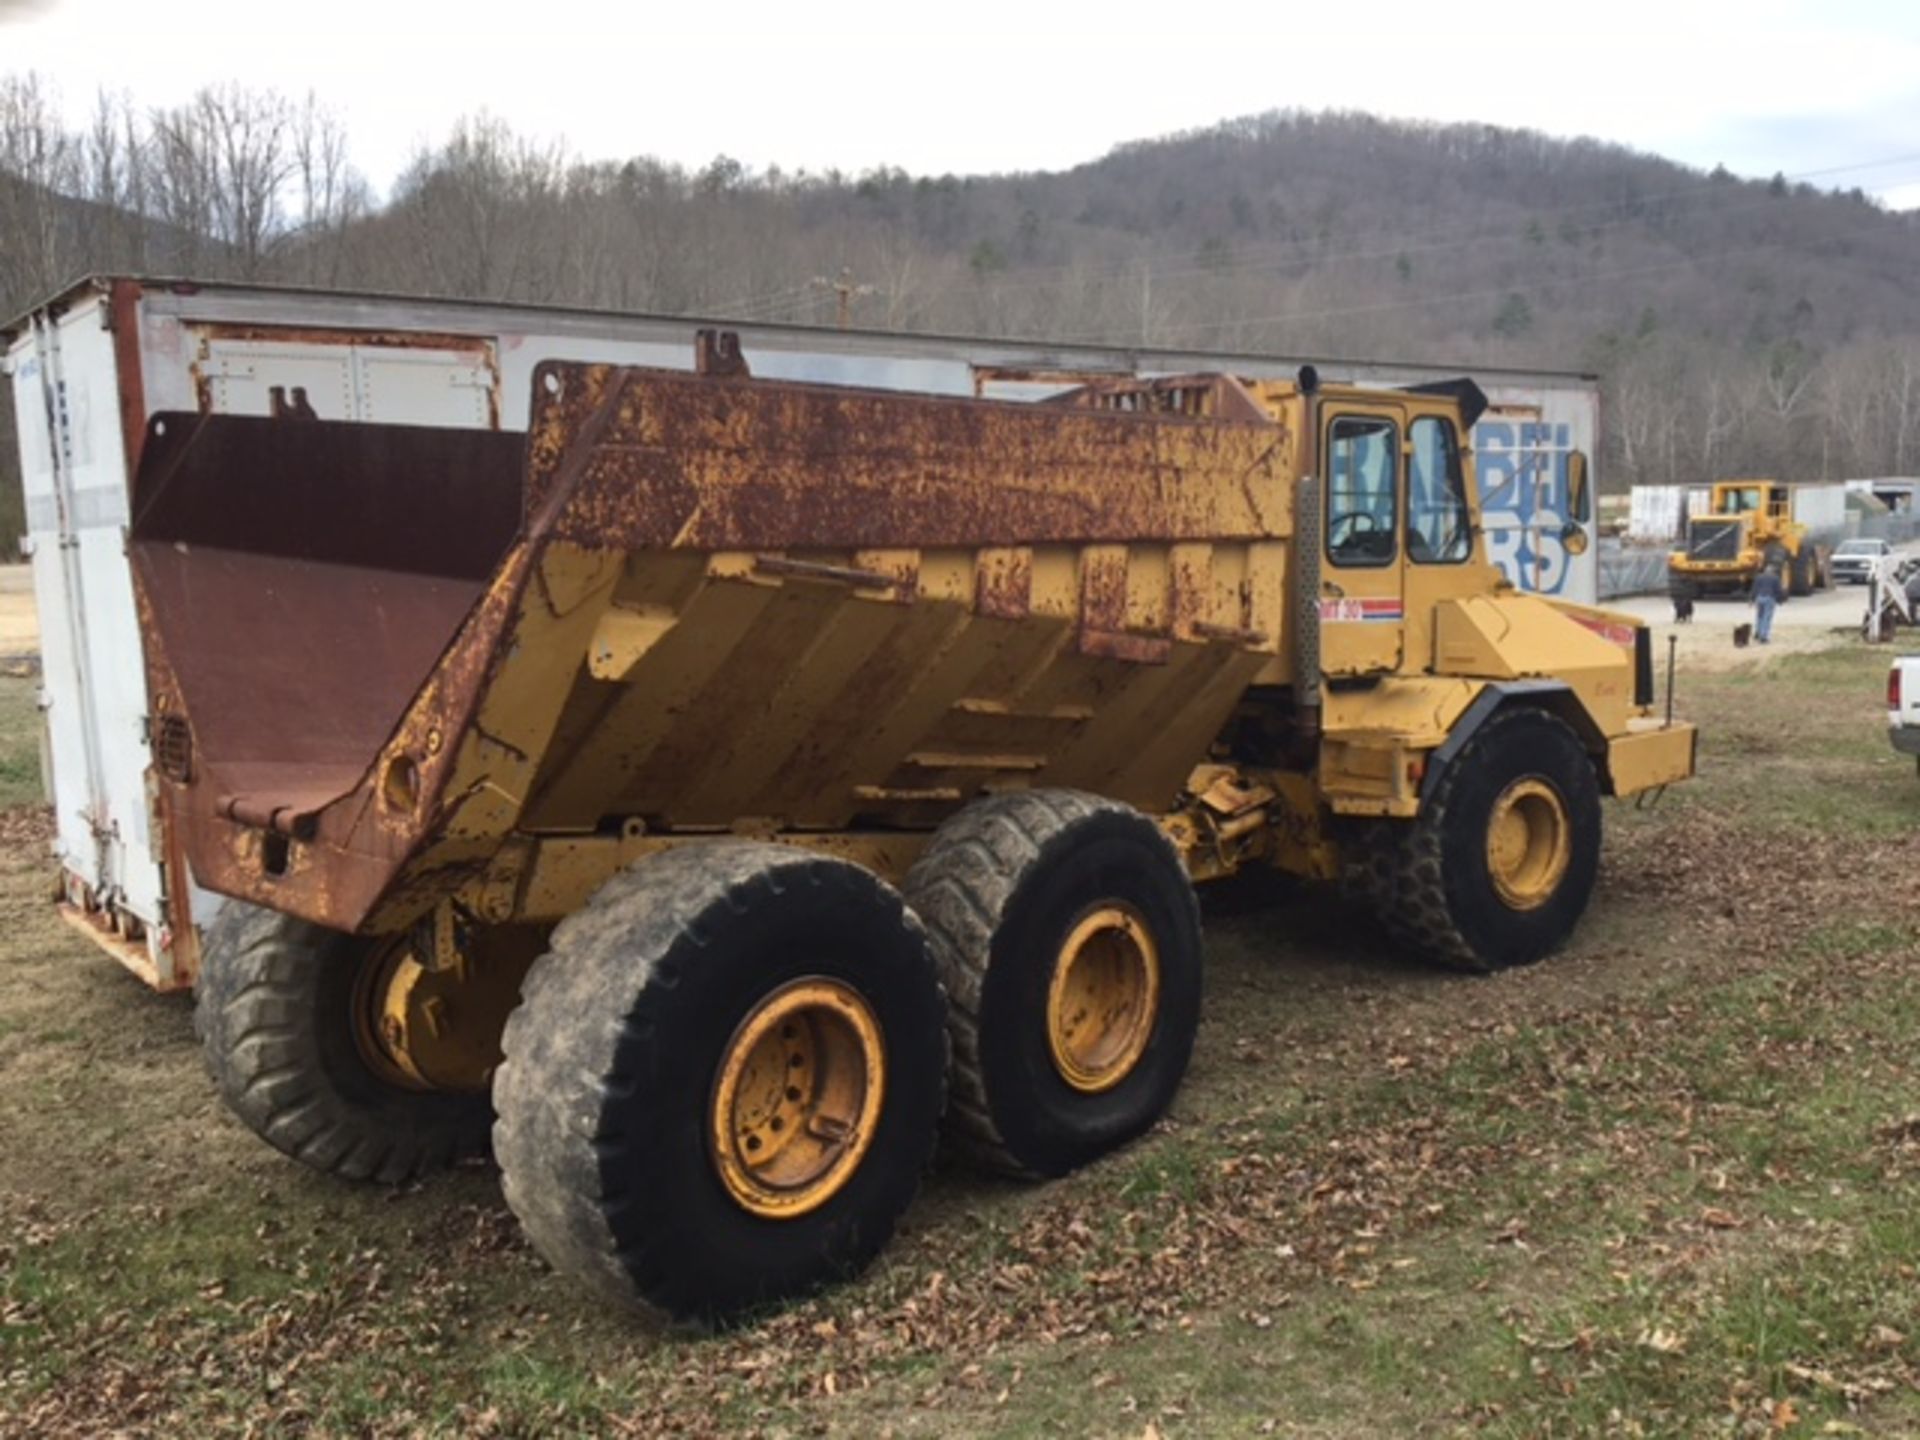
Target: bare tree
(1900, 403)
(222, 165)
(331, 193)
(39, 163)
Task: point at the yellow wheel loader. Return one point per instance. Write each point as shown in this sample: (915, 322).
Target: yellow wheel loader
(1748, 527)
(718, 786)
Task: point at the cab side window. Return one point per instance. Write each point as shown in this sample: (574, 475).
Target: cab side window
(1439, 530)
(1363, 491)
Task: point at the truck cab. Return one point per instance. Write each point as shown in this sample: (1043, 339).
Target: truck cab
(1751, 497)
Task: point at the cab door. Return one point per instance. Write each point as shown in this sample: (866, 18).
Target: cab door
(1442, 561)
(1362, 597)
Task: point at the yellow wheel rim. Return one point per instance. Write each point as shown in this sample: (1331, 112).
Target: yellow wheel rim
(421, 1028)
(389, 969)
(1103, 998)
(796, 1098)
(1529, 843)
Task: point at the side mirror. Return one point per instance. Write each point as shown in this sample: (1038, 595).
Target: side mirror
(1579, 505)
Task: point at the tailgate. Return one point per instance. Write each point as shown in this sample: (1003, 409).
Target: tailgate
(1908, 713)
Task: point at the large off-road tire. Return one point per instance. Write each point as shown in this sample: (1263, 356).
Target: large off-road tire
(1803, 574)
(274, 1010)
(650, 1136)
(1068, 938)
(1497, 869)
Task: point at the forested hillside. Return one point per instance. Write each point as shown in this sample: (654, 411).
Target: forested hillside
(1739, 326)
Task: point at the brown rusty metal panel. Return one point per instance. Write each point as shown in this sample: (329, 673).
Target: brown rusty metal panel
(667, 460)
(1218, 397)
(123, 311)
(1104, 619)
(1004, 582)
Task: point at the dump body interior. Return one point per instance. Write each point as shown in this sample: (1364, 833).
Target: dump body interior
(311, 575)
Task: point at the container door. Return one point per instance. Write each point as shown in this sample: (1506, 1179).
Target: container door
(243, 378)
(1362, 605)
(452, 385)
(64, 693)
(96, 676)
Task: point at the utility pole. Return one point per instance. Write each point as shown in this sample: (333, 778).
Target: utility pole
(844, 292)
(1146, 302)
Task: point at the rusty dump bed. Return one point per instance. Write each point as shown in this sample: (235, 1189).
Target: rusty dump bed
(387, 661)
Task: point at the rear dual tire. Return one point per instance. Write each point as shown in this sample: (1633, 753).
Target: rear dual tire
(1067, 935)
(649, 1138)
(274, 1010)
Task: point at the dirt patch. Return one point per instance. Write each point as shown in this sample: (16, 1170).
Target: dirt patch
(19, 619)
(1706, 643)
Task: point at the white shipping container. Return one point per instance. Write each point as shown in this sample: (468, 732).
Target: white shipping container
(1822, 509)
(1655, 513)
(1659, 512)
(90, 368)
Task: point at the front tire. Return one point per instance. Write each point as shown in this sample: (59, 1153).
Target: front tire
(1803, 574)
(274, 1009)
(725, 1080)
(1499, 866)
(1068, 936)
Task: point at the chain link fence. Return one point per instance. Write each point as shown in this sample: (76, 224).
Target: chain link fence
(1631, 570)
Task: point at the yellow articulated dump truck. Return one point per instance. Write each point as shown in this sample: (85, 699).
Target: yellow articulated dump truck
(705, 795)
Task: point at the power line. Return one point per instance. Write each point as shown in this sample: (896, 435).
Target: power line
(744, 308)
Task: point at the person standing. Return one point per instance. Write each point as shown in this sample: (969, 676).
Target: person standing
(1766, 599)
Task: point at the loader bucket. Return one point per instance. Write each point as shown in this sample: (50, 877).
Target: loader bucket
(304, 579)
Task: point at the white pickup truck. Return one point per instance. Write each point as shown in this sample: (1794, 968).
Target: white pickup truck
(1903, 706)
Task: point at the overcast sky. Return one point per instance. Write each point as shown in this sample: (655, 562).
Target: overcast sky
(985, 85)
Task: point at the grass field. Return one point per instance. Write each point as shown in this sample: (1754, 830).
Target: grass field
(1667, 1183)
